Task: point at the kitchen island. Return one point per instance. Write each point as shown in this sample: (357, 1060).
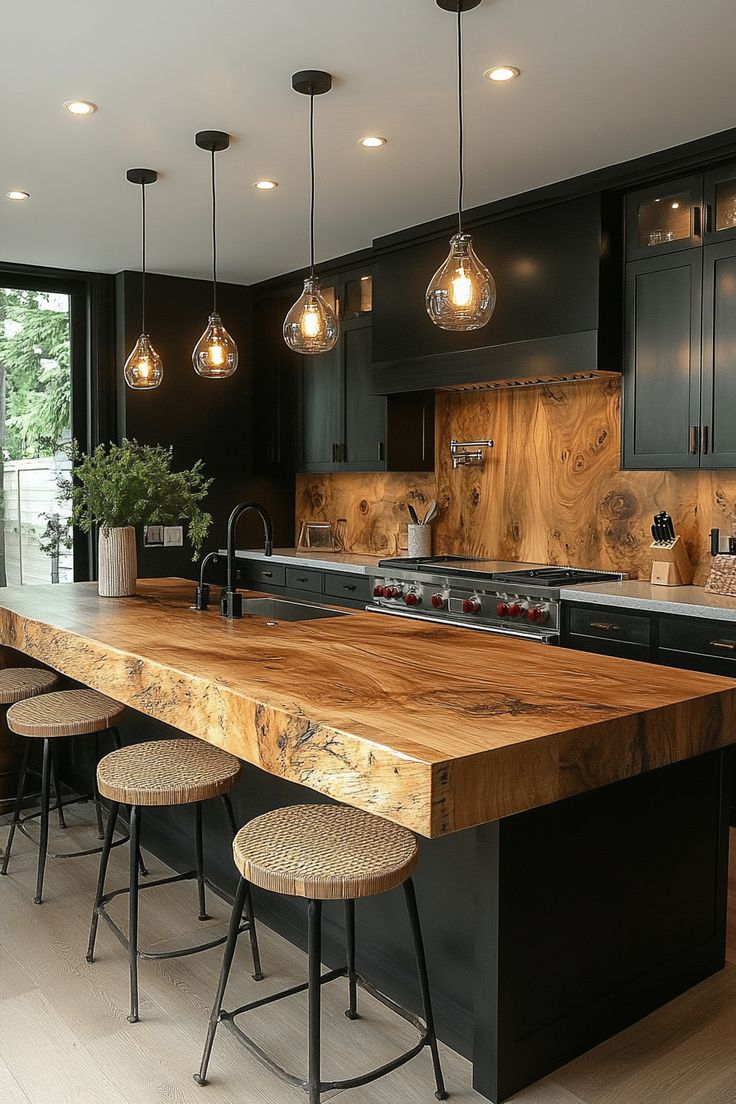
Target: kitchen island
(594, 786)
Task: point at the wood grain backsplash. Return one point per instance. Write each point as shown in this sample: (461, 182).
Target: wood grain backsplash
(551, 490)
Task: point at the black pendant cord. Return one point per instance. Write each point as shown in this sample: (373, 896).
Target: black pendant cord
(311, 194)
(214, 238)
(143, 258)
(460, 127)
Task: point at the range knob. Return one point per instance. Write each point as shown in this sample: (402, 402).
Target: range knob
(438, 601)
(412, 598)
(390, 592)
(471, 605)
(379, 591)
(515, 610)
(502, 609)
(538, 614)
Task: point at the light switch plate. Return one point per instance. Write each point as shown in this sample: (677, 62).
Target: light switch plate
(153, 535)
(173, 536)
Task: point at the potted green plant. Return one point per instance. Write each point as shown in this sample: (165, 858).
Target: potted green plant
(116, 488)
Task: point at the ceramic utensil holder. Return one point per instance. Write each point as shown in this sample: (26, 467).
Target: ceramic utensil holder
(420, 540)
(671, 566)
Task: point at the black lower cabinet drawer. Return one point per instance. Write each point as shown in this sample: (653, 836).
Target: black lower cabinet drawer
(304, 578)
(263, 575)
(609, 625)
(355, 587)
(698, 644)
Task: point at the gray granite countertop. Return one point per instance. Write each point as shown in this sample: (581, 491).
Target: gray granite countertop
(322, 559)
(688, 601)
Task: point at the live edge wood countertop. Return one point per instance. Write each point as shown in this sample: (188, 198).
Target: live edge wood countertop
(432, 727)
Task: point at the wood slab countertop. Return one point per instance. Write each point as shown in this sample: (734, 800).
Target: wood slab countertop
(432, 727)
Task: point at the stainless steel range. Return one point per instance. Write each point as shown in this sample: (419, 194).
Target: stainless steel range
(495, 596)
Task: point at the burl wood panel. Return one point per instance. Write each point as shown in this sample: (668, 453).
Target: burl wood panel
(434, 728)
(551, 491)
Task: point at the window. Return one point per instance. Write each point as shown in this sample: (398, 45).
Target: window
(36, 542)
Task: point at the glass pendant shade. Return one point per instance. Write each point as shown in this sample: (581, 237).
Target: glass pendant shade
(462, 293)
(143, 369)
(215, 355)
(311, 325)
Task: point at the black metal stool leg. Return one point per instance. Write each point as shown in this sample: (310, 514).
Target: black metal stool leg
(100, 891)
(249, 911)
(43, 843)
(18, 804)
(199, 860)
(352, 1012)
(416, 932)
(57, 787)
(96, 788)
(118, 743)
(135, 836)
(227, 961)
(314, 941)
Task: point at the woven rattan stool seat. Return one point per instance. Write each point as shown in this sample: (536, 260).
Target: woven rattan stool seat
(19, 683)
(167, 772)
(325, 852)
(65, 713)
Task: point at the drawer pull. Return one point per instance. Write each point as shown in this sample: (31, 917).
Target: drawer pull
(348, 586)
(267, 574)
(302, 580)
(731, 644)
(603, 625)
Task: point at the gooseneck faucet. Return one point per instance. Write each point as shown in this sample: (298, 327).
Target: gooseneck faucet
(231, 603)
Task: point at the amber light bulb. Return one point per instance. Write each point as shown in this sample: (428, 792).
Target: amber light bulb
(215, 355)
(462, 293)
(311, 325)
(143, 369)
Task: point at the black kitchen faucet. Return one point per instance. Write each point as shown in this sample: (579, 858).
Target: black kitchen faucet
(231, 603)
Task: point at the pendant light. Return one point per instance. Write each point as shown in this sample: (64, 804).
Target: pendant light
(311, 326)
(143, 369)
(462, 293)
(215, 355)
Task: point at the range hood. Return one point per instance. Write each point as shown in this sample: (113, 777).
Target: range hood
(558, 316)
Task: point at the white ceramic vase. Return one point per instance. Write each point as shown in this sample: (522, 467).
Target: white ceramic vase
(117, 563)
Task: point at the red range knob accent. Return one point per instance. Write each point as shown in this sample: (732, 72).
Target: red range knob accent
(412, 599)
(438, 601)
(471, 605)
(536, 613)
(379, 591)
(502, 609)
(515, 610)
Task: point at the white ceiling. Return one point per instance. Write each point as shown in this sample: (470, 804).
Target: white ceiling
(601, 82)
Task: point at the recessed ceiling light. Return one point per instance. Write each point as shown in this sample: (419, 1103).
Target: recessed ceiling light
(266, 185)
(501, 73)
(80, 107)
(372, 141)
(675, 206)
(16, 193)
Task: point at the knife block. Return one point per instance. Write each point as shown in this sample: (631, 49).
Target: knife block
(671, 566)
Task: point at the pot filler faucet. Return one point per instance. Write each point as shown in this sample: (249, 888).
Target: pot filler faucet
(231, 603)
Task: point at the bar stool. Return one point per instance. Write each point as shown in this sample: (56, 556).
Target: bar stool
(48, 718)
(326, 853)
(17, 684)
(165, 772)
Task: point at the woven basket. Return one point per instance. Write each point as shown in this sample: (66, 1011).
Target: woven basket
(117, 564)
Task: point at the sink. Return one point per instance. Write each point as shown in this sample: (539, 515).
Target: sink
(282, 609)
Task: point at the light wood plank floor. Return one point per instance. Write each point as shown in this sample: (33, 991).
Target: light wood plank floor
(64, 1038)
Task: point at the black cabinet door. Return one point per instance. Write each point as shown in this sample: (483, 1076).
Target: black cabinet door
(364, 445)
(663, 361)
(718, 433)
(665, 218)
(322, 410)
(275, 377)
(720, 204)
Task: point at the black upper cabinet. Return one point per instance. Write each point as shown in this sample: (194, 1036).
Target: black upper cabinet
(680, 324)
(275, 380)
(662, 378)
(556, 273)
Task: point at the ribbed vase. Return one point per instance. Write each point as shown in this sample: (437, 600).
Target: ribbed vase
(117, 564)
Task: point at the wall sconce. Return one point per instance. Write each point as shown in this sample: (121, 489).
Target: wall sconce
(465, 454)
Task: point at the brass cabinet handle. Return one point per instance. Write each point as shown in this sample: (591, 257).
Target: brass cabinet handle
(704, 446)
(730, 644)
(694, 435)
(602, 625)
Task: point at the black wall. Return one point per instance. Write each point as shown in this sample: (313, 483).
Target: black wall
(212, 420)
